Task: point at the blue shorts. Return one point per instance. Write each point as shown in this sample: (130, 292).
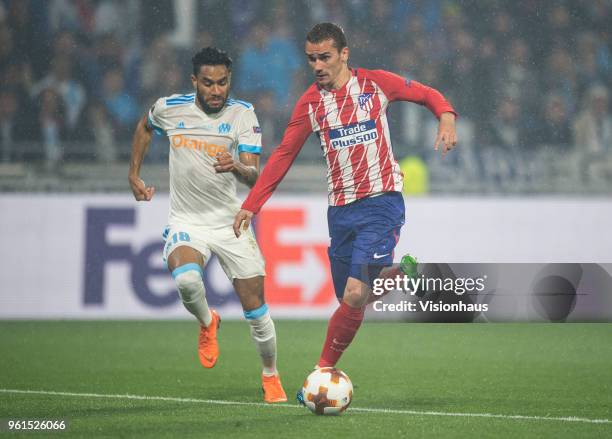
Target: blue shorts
(363, 237)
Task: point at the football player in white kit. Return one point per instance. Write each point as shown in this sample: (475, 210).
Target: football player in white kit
(214, 142)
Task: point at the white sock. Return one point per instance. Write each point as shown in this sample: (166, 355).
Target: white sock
(190, 286)
(263, 334)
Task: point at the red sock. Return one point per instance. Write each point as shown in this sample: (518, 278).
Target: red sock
(341, 330)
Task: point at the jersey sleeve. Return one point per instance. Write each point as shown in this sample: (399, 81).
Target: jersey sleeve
(297, 131)
(249, 133)
(155, 119)
(397, 88)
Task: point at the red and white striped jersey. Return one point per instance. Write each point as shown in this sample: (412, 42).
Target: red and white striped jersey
(351, 123)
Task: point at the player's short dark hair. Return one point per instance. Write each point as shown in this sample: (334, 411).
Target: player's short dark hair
(210, 56)
(327, 31)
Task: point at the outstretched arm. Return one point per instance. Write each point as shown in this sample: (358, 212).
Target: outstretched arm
(140, 144)
(397, 88)
(278, 165)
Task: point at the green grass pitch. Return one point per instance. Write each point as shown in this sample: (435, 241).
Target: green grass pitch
(539, 370)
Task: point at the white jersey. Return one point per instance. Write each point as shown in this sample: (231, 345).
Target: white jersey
(198, 195)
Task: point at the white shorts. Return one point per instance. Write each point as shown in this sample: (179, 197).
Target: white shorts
(240, 257)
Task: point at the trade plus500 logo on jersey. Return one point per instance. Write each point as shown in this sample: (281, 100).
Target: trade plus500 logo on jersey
(211, 149)
(355, 134)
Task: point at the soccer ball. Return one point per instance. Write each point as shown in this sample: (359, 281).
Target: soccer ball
(327, 391)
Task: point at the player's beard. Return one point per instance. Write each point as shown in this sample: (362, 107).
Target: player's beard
(207, 108)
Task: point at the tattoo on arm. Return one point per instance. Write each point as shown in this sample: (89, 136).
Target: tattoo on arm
(247, 175)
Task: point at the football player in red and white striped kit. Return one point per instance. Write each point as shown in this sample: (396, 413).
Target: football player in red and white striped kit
(346, 108)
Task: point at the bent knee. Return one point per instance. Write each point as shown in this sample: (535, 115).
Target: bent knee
(356, 293)
(188, 279)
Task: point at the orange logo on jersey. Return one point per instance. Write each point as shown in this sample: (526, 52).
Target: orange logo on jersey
(211, 149)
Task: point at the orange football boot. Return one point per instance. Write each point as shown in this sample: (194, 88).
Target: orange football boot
(273, 389)
(208, 348)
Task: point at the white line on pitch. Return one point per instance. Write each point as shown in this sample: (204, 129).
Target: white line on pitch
(353, 409)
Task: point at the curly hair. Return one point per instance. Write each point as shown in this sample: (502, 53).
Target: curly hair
(210, 56)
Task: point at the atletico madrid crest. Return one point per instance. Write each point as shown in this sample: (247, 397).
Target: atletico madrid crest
(365, 101)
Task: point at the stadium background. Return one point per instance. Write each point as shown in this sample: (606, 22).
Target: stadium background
(530, 181)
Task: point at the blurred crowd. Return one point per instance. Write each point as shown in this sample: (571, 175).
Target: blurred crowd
(75, 75)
